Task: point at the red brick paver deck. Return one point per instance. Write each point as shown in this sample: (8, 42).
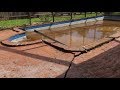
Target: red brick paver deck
(43, 61)
(102, 62)
(36, 61)
(6, 34)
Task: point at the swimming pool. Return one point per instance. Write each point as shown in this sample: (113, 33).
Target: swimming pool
(73, 37)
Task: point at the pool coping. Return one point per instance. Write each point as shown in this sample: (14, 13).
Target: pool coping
(7, 41)
(13, 44)
(82, 49)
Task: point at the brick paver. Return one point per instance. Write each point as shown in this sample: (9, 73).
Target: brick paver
(100, 62)
(6, 34)
(37, 61)
(43, 61)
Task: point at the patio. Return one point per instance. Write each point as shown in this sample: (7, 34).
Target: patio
(43, 61)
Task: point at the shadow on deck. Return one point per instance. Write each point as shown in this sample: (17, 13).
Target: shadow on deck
(104, 65)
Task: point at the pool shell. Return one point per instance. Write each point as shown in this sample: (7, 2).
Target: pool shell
(8, 42)
(63, 23)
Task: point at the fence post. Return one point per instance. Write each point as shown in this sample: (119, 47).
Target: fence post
(70, 18)
(29, 16)
(85, 14)
(96, 13)
(53, 16)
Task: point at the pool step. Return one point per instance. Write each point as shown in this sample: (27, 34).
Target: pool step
(116, 35)
(64, 47)
(48, 37)
(13, 44)
(82, 49)
(97, 43)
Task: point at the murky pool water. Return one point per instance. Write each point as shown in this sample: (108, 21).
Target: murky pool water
(79, 36)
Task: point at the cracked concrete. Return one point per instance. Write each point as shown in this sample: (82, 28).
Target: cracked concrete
(69, 67)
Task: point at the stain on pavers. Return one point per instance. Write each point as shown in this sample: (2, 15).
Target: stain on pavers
(102, 62)
(41, 62)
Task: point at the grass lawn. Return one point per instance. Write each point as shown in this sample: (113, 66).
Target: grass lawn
(21, 22)
(116, 13)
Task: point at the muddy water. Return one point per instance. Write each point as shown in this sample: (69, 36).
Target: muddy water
(79, 36)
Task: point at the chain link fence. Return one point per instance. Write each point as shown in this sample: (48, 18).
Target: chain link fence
(20, 19)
